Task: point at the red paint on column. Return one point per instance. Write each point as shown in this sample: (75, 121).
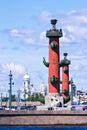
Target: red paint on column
(54, 66)
(65, 79)
(54, 70)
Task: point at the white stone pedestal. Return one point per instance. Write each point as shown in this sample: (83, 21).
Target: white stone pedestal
(53, 99)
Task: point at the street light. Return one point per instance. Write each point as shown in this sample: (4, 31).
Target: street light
(19, 99)
(25, 94)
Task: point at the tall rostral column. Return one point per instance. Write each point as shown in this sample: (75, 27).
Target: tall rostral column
(54, 57)
(65, 78)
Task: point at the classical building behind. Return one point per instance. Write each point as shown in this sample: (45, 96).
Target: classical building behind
(43, 89)
(26, 86)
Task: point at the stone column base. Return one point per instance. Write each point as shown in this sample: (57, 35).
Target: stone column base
(53, 99)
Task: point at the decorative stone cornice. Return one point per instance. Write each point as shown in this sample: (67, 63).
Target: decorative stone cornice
(64, 61)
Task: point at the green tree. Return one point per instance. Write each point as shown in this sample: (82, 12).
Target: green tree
(13, 98)
(29, 98)
(41, 99)
(5, 99)
(36, 97)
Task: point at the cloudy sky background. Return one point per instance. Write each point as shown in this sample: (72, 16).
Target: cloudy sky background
(23, 44)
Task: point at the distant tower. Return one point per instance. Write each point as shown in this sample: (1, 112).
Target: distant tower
(32, 89)
(43, 89)
(54, 57)
(73, 91)
(65, 76)
(26, 86)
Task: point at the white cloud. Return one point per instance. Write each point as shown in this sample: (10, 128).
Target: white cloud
(20, 33)
(77, 56)
(16, 32)
(82, 18)
(74, 33)
(71, 12)
(65, 38)
(43, 35)
(42, 39)
(29, 41)
(16, 68)
(78, 26)
(76, 67)
(45, 16)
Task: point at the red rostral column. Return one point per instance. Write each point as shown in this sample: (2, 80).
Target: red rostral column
(65, 76)
(54, 57)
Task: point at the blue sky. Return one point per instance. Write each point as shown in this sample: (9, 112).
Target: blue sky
(23, 44)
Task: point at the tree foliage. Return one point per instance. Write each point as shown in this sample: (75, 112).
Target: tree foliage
(13, 98)
(5, 99)
(36, 97)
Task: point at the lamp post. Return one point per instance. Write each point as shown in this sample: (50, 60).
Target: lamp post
(6, 99)
(10, 91)
(19, 99)
(24, 94)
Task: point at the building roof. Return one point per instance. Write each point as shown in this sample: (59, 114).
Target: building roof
(26, 77)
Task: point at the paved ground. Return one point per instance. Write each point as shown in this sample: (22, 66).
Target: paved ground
(43, 117)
